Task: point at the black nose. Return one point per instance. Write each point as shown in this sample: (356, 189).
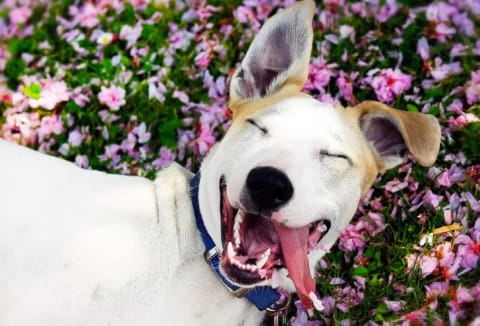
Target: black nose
(269, 188)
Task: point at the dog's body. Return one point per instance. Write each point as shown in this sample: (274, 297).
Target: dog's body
(86, 248)
(111, 249)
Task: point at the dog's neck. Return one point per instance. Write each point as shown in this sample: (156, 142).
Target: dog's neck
(263, 297)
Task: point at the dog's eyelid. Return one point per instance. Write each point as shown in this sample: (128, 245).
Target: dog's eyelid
(254, 123)
(327, 153)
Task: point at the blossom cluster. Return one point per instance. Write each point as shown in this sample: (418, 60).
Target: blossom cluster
(128, 86)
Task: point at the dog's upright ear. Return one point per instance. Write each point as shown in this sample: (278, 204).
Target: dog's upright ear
(278, 57)
(391, 133)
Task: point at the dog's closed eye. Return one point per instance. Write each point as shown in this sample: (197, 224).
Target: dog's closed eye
(324, 153)
(262, 129)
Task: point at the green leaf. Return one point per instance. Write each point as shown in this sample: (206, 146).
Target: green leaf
(168, 132)
(360, 271)
(434, 110)
(13, 69)
(33, 90)
(434, 92)
(412, 108)
(382, 309)
(127, 16)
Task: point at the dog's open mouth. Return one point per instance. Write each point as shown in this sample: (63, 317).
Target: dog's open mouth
(254, 246)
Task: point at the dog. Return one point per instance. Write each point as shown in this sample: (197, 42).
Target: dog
(80, 247)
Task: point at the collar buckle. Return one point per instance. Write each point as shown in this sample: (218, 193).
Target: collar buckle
(211, 255)
(276, 315)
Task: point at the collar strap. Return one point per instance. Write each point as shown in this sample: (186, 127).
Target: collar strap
(261, 296)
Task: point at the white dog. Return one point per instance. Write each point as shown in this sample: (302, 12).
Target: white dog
(80, 247)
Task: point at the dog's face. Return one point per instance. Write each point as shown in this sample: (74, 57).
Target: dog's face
(286, 179)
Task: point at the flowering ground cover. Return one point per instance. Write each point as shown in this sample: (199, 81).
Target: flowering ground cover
(128, 86)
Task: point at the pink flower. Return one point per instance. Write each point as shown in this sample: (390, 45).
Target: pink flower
(431, 200)
(348, 297)
(473, 88)
(423, 49)
(417, 317)
(111, 153)
(205, 141)
(87, 15)
(389, 83)
(19, 15)
(456, 106)
(166, 157)
(113, 97)
(129, 143)
(387, 11)
(139, 4)
(75, 138)
(141, 132)
(347, 31)
(203, 58)
(179, 39)
(435, 290)
(351, 239)
(319, 75)
(82, 161)
(51, 94)
(394, 306)
(443, 31)
(345, 84)
(461, 121)
(473, 202)
(21, 128)
(50, 125)
(301, 319)
(441, 71)
(458, 50)
(440, 11)
(130, 34)
(182, 96)
(395, 185)
(469, 251)
(453, 175)
(428, 265)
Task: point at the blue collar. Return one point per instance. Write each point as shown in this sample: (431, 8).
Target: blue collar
(261, 296)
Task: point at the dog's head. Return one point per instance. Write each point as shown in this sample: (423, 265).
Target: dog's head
(286, 179)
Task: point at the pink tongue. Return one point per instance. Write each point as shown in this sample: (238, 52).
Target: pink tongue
(294, 246)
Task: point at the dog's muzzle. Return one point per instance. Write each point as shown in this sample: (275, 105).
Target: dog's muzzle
(256, 244)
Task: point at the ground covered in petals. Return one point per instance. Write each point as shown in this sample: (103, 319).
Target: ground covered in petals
(127, 86)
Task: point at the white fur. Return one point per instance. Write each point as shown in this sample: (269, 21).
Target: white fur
(82, 247)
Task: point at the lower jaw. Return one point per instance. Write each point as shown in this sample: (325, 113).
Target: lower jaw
(242, 278)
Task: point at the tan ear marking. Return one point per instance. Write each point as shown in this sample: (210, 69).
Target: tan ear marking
(420, 132)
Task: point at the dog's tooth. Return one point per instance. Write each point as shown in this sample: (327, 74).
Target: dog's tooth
(230, 251)
(237, 237)
(237, 263)
(236, 228)
(322, 228)
(252, 267)
(262, 273)
(262, 261)
(238, 220)
(267, 253)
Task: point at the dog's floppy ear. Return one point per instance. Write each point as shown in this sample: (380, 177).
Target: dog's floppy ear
(392, 133)
(279, 55)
